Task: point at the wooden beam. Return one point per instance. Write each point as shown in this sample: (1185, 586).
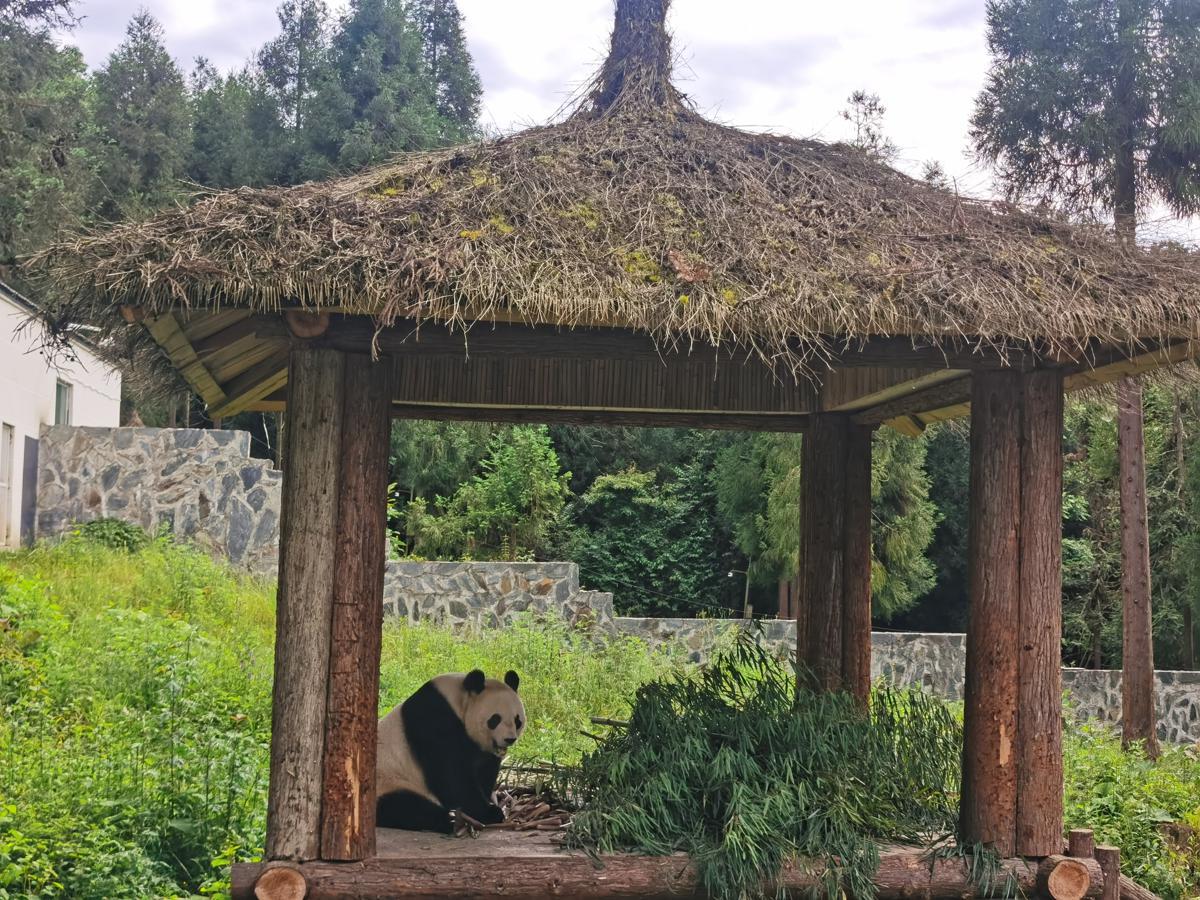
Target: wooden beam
(899, 390)
(1039, 760)
(245, 326)
(359, 334)
(348, 800)
(1172, 354)
(166, 331)
(237, 357)
(304, 610)
(199, 325)
(645, 418)
(261, 381)
(989, 783)
(941, 394)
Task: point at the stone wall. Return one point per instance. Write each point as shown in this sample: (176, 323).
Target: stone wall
(492, 594)
(937, 662)
(198, 484)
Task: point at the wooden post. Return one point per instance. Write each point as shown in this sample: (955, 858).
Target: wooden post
(1012, 754)
(1039, 731)
(1110, 864)
(989, 783)
(833, 606)
(304, 608)
(1138, 721)
(856, 566)
(1081, 843)
(348, 816)
(332, 551)
(822, 508)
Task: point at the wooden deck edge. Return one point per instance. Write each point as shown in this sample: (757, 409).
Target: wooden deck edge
(901, 874)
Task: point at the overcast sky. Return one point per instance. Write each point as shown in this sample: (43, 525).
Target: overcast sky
(783, 65)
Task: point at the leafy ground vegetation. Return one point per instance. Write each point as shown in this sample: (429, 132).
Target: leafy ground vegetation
(135, 713)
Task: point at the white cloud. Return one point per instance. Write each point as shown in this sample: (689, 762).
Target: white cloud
(782, 65)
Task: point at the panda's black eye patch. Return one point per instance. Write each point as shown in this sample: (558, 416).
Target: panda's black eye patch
(494, 720)
(518, 722)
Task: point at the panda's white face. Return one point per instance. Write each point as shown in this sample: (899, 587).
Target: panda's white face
(494, 717)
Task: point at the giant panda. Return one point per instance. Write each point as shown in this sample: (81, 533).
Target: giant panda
(440, 751)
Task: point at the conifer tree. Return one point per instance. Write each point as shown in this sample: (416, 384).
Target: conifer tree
(1092, 106)
(234, 128)
(389, 94)
(456, 83)
(142, 124)
(44, 165)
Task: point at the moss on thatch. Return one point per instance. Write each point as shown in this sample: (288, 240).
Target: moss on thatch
(635, 210)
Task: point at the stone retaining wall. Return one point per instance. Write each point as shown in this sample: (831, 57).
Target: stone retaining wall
(937, 662)
(492, 594)
(199, 484)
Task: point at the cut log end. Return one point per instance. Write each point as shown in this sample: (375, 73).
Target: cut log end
(1066, 878)
(306, 325)
(281, 882)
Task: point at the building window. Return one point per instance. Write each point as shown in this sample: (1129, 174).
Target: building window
(62, 404)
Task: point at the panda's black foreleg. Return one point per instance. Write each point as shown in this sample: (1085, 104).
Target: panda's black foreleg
(483, 810)
(404, 809)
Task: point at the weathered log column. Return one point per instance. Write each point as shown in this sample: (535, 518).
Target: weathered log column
(321, 797)
(348, 805)
(833, 612)
(1039, 672)
(304, 606)
(1012, 751)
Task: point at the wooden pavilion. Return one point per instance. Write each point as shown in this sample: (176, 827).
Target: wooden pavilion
(636, 264)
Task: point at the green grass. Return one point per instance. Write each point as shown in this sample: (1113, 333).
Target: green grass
(135, 717)
(135, 712)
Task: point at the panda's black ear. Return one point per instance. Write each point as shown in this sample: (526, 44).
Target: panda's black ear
(511, 679)
(473, 683)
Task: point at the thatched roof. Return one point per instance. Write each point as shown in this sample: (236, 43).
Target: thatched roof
(636, 211)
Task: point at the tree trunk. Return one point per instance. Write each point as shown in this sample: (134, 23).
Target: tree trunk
(348, 806)
(1139, 722)
(1137, 643)
(1189, 636)
(304, 609)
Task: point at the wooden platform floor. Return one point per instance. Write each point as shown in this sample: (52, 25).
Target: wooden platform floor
(392, 843)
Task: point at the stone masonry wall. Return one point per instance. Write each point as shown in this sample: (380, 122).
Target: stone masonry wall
(937, 662)
(492, 594)
(199, 484)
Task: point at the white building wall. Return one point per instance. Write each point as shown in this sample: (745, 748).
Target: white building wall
(28, 390)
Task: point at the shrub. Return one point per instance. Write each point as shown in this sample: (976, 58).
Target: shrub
(113, 533)
(732, 766)
(1127, 799)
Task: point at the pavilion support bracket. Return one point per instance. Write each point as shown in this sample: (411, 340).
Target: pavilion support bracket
(1012, 757)
(833, 615)
(321, 801)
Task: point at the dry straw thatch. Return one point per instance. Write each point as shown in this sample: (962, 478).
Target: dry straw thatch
(635, 210)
